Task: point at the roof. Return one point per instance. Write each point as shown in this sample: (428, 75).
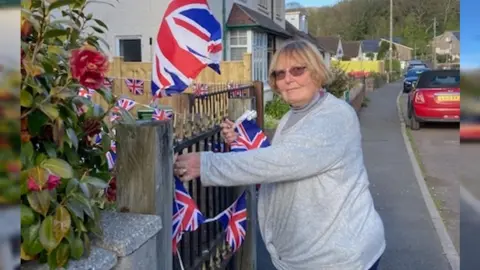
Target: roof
(351, 48)
(301, 10)
(292, 30)
(329, 43)
(456, 34)
(372, 45)
(241, 16)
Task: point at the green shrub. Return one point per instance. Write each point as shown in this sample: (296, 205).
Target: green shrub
(276, 108)
(341, 82)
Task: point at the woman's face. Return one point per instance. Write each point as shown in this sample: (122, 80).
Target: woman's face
(294, 81)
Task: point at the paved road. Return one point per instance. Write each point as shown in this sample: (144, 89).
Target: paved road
(438, 148)
(412, 242)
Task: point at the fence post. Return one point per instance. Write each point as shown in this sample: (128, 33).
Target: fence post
(258, 92)
(246, 258)
(144, 172)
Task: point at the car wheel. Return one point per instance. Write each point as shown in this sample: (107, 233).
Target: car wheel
(414, 124)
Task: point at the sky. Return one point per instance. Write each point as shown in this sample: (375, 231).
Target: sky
(469, 34)
(315, 3)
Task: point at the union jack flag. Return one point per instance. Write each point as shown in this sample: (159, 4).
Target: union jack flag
(86, 93)
(135, 86)
(250, 136)
(108, 83)
(192, 217)
(125, 103)
(111, 155)
(161, 114)
(188, 40)
(114, 117)
(234, 221)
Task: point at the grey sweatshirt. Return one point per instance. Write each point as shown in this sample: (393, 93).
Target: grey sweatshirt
(315, 210)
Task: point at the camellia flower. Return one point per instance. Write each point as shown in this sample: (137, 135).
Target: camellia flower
(52, 182)
(88, 66)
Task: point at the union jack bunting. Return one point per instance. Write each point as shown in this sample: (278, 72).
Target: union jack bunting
(236, 92)
(112, 155)
(234, 221)
(192, 217)
(108, 83)
(162, 114)
(125, 103)
(200, 89)
(188, 40)
(114, 117)
(177, 230)
(135, 86)
(250, 136)
(86, 93)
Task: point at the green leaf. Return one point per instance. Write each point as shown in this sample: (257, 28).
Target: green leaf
(62, 253)
(106, 143)
(58, 167)
(87, 208)
(96, 182)
(79, 226)
(127, 118)
(71, 186)
(72, 156)
(62, 93)
(46, 234)
(85, 190)
(26, 155)
(60, 3)
(76, 248)
(73, 137)
(26, 99)
(36, 120)
(40, 158)
(50, 149)
(31, 242)
(102, 24)
(55, 33)
(61, 223)
(50, 110)
(98, 29)
(76, 208)
(39, 201)
(106, 94)
(27, 217)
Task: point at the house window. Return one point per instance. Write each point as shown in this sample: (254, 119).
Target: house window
(130, 48)
(271, 48)
(260, 56)
(238, 44)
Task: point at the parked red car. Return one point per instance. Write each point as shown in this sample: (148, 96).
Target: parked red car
(435, 98)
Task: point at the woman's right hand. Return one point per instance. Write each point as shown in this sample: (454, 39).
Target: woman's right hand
(228, 131)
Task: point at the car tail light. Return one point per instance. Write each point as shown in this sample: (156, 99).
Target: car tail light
(419, 99)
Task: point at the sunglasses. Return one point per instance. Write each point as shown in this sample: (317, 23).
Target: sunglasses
(294, 71)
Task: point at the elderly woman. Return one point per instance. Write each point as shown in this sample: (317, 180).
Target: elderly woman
(315, 210)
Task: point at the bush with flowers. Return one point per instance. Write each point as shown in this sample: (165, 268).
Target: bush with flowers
(64, 177)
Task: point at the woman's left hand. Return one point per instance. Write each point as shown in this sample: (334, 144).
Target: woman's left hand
(187, 166)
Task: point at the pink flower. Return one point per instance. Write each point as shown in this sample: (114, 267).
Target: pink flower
(52, 182)
(32, 185)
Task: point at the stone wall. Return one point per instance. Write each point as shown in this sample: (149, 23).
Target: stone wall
(129, 242)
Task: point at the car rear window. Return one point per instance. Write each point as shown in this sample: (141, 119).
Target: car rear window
(415, 72)
(439, 79)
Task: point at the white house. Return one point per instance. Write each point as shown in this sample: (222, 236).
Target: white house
(249, 26)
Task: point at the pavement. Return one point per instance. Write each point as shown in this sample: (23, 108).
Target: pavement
(412, 240)
(437, 145)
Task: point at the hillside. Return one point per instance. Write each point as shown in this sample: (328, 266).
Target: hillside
(369, 19)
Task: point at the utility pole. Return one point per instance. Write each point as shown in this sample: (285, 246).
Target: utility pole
(434, 43)
(390, 49)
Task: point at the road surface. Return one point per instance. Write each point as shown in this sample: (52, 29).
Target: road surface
(412, 242)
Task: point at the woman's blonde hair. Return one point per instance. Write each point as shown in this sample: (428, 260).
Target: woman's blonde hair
(306, 53)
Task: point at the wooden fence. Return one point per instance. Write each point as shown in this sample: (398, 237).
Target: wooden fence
(238, 72)
(145, 179)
